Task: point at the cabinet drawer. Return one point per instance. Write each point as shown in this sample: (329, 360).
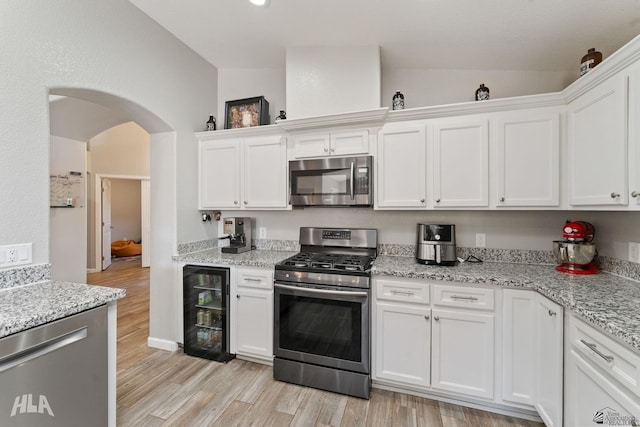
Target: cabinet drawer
(255, 278)
(402, 290)
(621, 363)
(464, 297)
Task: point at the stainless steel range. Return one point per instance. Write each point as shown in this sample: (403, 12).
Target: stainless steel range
(321, 311)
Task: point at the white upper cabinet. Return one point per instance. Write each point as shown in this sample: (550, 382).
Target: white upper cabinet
(401, 160)
(460, 162)
(243, 173)
(527, 158)
(634, 136)
(265, 173)
(219, 174)
(331, 144)
(597, 145)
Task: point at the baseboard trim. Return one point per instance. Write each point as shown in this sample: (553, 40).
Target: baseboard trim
(93, 270)
(162, 344)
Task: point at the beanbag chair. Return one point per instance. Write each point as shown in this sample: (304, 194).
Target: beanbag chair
(122, 248)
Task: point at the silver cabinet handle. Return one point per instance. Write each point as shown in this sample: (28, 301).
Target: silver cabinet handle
(251, 279)
(407, 293)
(552, 313)
(326, 150)
(615, 195)
(235, 202)
(332, 149)
(635, 194)
(501, 199)
(437, 200)
(464, 298)
(436, 318)
(426, 316)
(245, 202)
(594, 348)
(421, 200)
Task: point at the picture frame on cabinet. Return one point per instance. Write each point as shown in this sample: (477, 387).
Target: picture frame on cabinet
(247, 112)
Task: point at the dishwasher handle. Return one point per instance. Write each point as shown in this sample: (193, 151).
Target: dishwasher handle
(33, 352)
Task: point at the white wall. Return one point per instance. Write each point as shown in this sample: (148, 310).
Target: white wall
(68, 226)
(110, 47)
(126, 209)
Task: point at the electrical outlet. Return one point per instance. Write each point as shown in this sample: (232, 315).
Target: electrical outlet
(481, 240)
(634, 252)
(262, 233)
(12, 255)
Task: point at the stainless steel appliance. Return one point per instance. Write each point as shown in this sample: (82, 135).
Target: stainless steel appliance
(577, 252)
(436, 244)
(238, 230)
(56, 374)
(335, 181)
(206, 312)
(321, 311)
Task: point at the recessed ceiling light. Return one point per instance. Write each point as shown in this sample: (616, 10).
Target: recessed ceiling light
(260, 2)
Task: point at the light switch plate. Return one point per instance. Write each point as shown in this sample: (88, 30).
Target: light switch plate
(634, 252)
(481, 240)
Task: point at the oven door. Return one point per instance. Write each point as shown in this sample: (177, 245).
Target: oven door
(322, 326)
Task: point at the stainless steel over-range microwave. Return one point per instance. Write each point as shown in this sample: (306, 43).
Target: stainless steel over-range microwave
(335, 181)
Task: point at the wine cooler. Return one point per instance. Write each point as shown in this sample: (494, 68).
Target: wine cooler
(206, 312)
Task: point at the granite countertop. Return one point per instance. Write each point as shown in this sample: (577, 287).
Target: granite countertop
(608, 301)
(27, 306)
(255, 258)
(605, 300)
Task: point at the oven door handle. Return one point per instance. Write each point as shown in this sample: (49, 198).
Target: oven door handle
(352, 183)
(321, 291)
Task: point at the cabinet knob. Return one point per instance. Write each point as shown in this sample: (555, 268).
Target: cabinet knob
(333, 150)
(235, 202)
(421, 200)
(237, 296)
(436, 318)
(245, 202)
(426, 316)
(437, 200)
(552, 313)
(326, 150)
(501, 199)
(635, 194)
(615, 195)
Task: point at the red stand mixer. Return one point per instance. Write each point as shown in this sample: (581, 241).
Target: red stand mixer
(576, 253)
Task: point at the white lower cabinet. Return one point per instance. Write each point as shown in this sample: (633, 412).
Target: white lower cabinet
(548, 357)
(254, 313)
(403, 333)
(601, 382)
(462, 352)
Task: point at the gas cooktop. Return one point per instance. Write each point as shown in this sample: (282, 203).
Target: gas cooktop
(304, 261)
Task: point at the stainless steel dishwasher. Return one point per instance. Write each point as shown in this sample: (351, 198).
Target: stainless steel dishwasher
(56, 374)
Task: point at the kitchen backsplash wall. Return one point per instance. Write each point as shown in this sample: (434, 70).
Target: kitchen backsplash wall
(527, 230)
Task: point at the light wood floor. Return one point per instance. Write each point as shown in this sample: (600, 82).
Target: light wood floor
(159, 388)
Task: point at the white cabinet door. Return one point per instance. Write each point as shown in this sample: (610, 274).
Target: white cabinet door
(597, 145)
(592, 399)
(265, 173)
(220, 174)
(314, 145)
(518, 361)
(401, 160)
(548, 367)
(461, 163)
(349, 143)
(402, 344)
(527, 158)
(634, 136)
(254, 313)
(462, 352)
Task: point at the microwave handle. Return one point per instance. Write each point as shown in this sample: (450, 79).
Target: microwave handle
(353, 178)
